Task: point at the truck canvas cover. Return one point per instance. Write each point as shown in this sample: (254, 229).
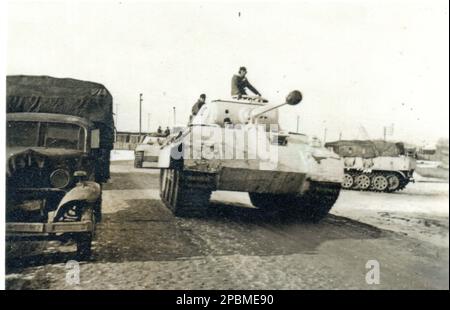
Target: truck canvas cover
(366, 148)
(45, 94)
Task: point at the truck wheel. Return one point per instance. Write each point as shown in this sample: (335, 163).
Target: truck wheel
(84, 242)
(84, 239)
(98, 209)
(184, 193)
(138, 159)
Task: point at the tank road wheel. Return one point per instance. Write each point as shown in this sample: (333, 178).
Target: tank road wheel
(362, 181)
(379, 183)
(312, 206)
(348, 181)
(393, 183)
(138, 159)
(184, 193)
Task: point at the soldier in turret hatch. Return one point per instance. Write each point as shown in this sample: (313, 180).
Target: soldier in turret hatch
(200, 102)
(239, 83)
(167, 131)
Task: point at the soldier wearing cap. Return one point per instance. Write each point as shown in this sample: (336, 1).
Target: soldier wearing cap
(200, 102)
(239, 83)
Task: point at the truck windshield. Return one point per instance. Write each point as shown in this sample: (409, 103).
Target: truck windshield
(66, 136)
(22, 133)
(51, 135)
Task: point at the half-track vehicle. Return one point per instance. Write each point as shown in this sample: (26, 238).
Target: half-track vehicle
(375, 165)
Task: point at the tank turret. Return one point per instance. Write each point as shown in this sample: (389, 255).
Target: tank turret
(245, 110)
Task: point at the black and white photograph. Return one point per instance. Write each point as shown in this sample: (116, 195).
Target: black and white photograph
(225, 146)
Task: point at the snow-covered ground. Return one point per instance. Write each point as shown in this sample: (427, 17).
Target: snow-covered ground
(122, 155)
(428, 164)
(140, 244)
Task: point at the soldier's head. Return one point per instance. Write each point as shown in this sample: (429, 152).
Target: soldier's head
(203, 97)
(242, 71)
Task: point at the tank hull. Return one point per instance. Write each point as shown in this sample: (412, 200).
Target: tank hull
(282, 169)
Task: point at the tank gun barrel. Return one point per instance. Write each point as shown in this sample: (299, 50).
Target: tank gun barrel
(293, 98)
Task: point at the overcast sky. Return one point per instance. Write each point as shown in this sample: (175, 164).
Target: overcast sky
(358, 63)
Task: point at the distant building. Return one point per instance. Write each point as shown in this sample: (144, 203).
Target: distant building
(437, 153)
(128, 140)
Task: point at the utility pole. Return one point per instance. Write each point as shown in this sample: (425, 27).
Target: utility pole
(140, 116)
(325, 135)
(298, 122)
(174, 116)
(384, 133)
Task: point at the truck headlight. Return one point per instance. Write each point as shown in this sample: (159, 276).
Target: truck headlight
(60, 178)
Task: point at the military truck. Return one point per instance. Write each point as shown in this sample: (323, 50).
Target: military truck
(216, 152)
(375, 165)
(59, 136)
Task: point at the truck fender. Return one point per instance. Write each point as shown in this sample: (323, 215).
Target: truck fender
(86, 192)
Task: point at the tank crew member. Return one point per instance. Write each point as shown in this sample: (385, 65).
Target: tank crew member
(167, 131)
(159, 130)
(200, 102)
(239, 83)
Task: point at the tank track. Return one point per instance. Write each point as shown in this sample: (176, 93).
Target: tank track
(374, 186)
(318, 200)
(138, 159)
(312, 206)
(185, 193)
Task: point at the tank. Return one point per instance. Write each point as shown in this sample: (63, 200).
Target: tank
(149, 148)
(237, 145)
(375, 165)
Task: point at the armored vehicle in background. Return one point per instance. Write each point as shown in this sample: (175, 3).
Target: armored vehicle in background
(59, 136)
(375, 165)
(216, 152)
(148, 150)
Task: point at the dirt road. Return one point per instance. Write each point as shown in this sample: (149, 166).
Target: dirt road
(141, 245)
